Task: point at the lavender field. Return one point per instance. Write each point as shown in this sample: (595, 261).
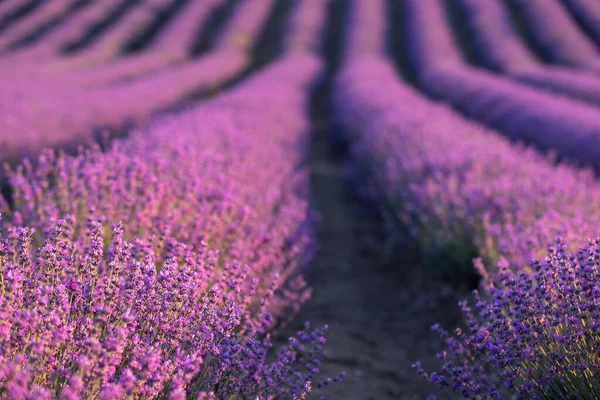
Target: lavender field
(300, 199)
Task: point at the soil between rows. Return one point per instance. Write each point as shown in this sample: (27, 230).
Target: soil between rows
(379, 312)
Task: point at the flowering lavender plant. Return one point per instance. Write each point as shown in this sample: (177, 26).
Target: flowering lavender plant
(535, 335)
(101, 318)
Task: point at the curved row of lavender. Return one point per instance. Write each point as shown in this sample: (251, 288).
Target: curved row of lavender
(51, 43)
(46, 11)
(556, 34)
(366, 30)
(462, 188)
(432, 47)
(465, 189)
(304, 30)
(106, 46)
(499, 47)
(178, 300)
(551, 122)
(110, 42)
(587, 13)
(56, 123)
(7, 7)
(170, 46)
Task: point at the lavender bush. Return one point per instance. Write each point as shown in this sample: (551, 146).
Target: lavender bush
(171, 45)
(550, 122)
(110, 42)
(180, 301)
(431, 47)
(496, 41)
(223, 173)
(465, 190)
(534, 332)
(98, 317)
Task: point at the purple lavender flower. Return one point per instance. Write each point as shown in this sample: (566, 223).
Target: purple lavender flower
(534, 332)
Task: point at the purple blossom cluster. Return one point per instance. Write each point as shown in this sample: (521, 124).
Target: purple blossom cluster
(224, 161)
(98, 317)
(556, 33)
(533, 333)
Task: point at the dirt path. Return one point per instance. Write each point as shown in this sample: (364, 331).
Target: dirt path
(379, 313)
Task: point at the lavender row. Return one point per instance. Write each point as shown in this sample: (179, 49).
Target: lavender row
(463, 190)
(366, 30)
(214, 205)
(587, 13)
(55, 123)
(171, 46)
(41, 117)
(432, 46)
(543, 20)
(245, 26)
(7, 7)
(46, 11)
(500, 48)
(111, 41)
(463, 186)
(569, 128)
(551, 122)
(107, 46)
(75, 26)
(497, 43)
(305, 28)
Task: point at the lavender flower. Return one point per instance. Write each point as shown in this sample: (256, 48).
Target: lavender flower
(101, 318)
(534, 332)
